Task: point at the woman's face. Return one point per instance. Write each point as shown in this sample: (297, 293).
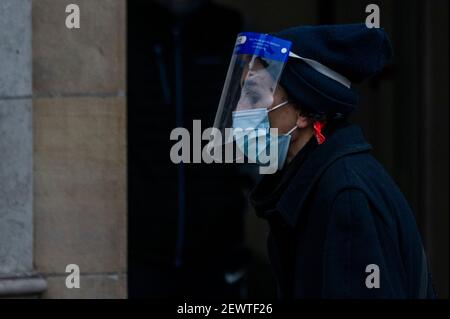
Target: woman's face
(257, 87)
(259, 91)
(285, 117)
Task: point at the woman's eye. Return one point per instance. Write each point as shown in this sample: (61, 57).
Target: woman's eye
(253, 96)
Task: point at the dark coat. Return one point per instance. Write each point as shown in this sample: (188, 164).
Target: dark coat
(339, 213)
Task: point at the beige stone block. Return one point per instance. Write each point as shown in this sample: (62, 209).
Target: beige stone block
(108, 286)
(80, 184)
(86, 60)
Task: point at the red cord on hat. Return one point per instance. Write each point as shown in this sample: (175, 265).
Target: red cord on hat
(318, 132)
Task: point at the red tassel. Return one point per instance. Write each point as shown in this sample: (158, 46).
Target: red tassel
(318, 132)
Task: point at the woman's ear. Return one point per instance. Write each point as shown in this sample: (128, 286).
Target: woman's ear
(303, 121)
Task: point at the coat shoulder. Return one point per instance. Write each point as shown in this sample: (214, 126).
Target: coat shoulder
(349, 172)
(362, 172)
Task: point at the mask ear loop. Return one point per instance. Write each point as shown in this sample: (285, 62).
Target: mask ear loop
(292, 131)
(281, 105)
(278, 106)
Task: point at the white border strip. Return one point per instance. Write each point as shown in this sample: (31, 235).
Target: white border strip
(319, 67)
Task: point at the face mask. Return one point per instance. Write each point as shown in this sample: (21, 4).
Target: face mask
(251, 129)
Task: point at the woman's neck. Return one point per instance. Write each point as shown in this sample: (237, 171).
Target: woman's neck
(299, 139)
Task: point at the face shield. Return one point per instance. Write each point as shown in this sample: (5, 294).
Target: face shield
(255, 69)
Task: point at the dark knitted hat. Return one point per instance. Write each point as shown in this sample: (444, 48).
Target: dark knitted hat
(353, 52)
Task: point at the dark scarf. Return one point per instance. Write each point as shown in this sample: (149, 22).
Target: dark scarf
(265, 196)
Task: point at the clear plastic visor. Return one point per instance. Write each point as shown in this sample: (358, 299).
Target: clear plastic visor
(255, 69)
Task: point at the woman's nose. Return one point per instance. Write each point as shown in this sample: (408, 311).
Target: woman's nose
(252, 73)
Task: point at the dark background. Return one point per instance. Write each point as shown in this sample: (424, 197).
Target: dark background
(403, 112)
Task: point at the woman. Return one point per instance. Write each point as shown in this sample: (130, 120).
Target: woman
(339, 226)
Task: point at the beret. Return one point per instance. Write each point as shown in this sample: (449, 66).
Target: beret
(353, 51)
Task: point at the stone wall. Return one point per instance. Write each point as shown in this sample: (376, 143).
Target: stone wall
(63, 149)
(80, 147)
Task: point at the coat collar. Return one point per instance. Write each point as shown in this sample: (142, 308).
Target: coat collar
(344, 141)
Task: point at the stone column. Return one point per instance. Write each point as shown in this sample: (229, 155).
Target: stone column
(16, 147)
(80, 147)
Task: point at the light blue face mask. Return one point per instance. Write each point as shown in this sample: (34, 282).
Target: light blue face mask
(252, 126)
